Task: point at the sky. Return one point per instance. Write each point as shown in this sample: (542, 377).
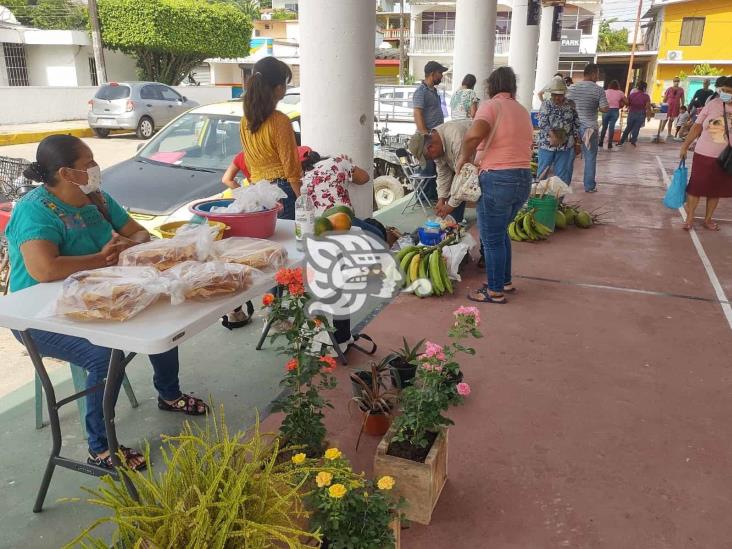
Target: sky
(624, 11)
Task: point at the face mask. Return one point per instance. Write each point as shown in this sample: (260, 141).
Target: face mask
(726, 97)
(94, 180)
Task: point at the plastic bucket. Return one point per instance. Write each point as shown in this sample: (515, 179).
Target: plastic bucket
(545, 210)
(253, 224)
(6, 209)
(167, 230)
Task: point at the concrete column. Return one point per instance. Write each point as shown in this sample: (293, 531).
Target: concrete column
(522, 52)
(337, 84)
(475, 41)
(547, 62)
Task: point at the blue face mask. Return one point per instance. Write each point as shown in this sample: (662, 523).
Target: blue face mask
(726, 97)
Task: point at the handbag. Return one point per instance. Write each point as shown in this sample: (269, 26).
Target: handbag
(676, 193)
(466, 185)
(725, 158)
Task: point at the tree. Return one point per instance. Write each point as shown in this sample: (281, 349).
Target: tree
(171, 37)
(612, 40)
(49, 14)
(249, 7)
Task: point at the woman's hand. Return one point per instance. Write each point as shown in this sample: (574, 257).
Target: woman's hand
(109, 255)
(683, 151)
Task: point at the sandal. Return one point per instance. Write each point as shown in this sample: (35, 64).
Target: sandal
(242, 318)
(508, 288)
(106, 462)
(484, 297)
(711, 226)
(187, 404)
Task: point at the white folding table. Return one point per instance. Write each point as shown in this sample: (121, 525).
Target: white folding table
(155, 330)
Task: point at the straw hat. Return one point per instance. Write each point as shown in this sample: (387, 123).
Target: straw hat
(557, 86)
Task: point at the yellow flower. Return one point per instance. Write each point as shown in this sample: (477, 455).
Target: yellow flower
(324, 478)
(386, 483)
(337, 491)
(332, 453)
(298, 459)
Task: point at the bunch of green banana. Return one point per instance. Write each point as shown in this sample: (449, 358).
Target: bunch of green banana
(525, 227)
(425, 263)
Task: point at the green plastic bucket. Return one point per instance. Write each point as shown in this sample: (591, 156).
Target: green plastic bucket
(545, 210)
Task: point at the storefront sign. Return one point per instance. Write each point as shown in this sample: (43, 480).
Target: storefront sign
(571, 39)
(533, 12)
(557, 23)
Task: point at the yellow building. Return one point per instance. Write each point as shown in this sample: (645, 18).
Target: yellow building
(687, 33)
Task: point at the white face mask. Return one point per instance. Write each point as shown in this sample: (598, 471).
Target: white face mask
(94, 180)
(726, 97)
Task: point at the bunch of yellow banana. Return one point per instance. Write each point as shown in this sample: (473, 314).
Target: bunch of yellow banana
(525, 227)
(425, 270)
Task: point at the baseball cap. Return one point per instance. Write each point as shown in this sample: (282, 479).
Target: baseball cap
(416, 148)
(434, 66)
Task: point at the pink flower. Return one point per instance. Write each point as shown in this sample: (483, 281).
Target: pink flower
(432, 367)
(433, 350)
(468, 311)
(463, 389)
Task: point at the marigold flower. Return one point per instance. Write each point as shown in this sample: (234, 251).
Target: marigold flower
(386, 483)
(267, 299)
(330, 363)
(463, 389)
(337, 491)
(295, 289)
(332, 453)
(298, 459)
(291, 365)
(324, 478)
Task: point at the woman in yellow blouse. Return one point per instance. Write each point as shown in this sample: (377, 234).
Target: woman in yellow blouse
(267, 135)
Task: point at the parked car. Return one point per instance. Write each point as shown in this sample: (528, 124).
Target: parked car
(139, 106)
(182, 164)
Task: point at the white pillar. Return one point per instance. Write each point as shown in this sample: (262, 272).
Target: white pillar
(547, 62)
(522, 52)
(337, 84)
(475, 41)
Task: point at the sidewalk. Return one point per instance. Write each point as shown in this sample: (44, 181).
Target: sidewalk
(17, 134)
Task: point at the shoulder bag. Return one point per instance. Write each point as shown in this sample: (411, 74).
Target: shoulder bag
(725, 158)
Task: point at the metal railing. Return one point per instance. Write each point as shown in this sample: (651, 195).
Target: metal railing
(445, 43)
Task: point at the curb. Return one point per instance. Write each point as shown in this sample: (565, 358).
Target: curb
(33, 137)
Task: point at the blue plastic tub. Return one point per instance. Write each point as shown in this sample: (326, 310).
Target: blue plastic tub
(430, 238)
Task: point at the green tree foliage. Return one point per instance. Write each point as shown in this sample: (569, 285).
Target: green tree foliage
(170, 37)
(283, 15)
(610, 39)
(249, 7)
(49, 14)
(705, 69)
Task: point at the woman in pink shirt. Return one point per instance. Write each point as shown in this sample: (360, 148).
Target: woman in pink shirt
(616, 100)
(707, 176)
(504, 129)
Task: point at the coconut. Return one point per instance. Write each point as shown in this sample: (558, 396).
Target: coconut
(569, 215)
(583, 220)
(560, 220)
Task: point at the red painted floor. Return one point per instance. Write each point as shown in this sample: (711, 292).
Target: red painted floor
(600, 407)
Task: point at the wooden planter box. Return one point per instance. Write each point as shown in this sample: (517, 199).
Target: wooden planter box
(420, 484)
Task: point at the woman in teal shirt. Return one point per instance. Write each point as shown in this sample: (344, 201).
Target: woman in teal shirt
(69, 225)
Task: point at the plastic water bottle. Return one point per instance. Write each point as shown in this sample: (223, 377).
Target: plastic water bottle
(304, 219)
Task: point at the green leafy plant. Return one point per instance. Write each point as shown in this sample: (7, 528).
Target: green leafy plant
(438, 383)
(409, 353)
(49, 14)
(283, 15)
(610, 39)
(705, 69)
(219, 490)
(308, 371)
(374, 398)
(171, 37)
(350, 511)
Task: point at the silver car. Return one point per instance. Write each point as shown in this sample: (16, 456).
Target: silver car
(140, 106)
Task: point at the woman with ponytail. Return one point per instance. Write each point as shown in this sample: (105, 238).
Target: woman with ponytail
(68, 225)
(267, 135)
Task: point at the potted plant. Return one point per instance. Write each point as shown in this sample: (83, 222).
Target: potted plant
(215, 485)
(414, 450)
(404, 362)
(351, 511)
(373, 400)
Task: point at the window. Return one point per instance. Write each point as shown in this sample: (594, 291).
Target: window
(293, 7)
(503, 22)
(15, 64)
(93, 72)
(692, 31)
(573, 69)
(168, 94)
(110, 92)
(438, 22)
(149, 92)
(574, 17)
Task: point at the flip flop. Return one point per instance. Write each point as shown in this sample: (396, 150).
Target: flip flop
(508, 289)
(486, 297)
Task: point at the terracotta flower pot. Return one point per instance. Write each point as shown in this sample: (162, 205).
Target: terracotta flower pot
(377, 424)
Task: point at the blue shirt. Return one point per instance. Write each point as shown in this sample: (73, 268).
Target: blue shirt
(40, 215)
(562, 117)
(428, 100)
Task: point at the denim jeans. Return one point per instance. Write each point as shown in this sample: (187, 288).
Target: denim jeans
(430, 188)
(289, 203)
(503, 193)
(635, 123)
(608, 124)
(95, 360)
(458, 214)
(590, 154)
(562, 162)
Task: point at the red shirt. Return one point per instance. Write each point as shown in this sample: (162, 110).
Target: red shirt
(241, 163)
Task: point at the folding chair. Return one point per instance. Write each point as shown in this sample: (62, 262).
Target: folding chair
(416, 180)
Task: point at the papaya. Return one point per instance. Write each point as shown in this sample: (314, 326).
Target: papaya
(340, 208)
(340, 221)
(322, 225)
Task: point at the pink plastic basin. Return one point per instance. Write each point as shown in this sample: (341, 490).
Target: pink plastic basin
(255, 224)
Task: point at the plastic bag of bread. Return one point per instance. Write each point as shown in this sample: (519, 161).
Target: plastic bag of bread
(193, 244)
(264, 255)
(110, 293)
(196, 280)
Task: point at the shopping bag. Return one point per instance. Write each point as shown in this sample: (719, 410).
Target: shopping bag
(676, 193)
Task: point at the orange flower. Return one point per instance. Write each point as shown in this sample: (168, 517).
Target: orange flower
(330, 363)
(295, 289)
(291, 365)
(317, 322)
(267, 300)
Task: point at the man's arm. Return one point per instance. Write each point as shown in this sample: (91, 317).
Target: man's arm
(444, 177)
(604, 105)
(478, 131)
(419, 121)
